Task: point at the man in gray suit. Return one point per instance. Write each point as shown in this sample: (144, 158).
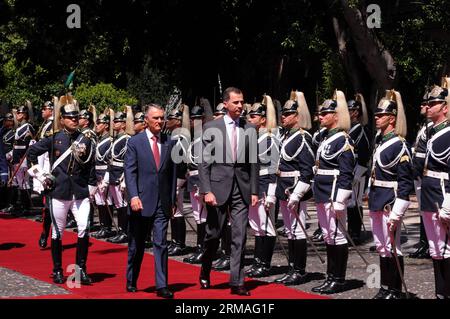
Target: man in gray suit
(228, 176)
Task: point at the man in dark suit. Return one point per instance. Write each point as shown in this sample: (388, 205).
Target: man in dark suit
(151, 183)
(229, 181)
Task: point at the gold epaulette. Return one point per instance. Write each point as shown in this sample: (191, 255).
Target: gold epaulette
(404, 158)
(349, 147)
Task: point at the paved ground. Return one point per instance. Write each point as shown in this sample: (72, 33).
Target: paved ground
(418, 273)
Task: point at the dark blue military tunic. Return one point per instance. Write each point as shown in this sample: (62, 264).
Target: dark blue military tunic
(46, 129)
(420, 149)
(8, 139)
(335, 152)
(391, 164)
(193, 151)
(22, 138)
(118, 150)
(437, 162)
(268, 157)
(76, 171)
(359, 134)
(102, 156)
(296, 155)
(317, 138)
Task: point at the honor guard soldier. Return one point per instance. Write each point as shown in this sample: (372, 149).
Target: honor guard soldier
(197, 117)
(178, 126)
(123, 128)
(23, 138)
(72, 170)
(88, 118)
(418, 160)
(294, 182)
(104, 131)
(139, 122)
(7, 136)
(316, 140)
(220, 111)
(358, 132)
(45, 130)
(262, 216)
(435, 190)
(3, 163)
(335, 163)
(391, 184)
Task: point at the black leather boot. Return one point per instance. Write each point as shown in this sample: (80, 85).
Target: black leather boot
(439, 281)
(47, 221)
(266, 258)
(339, 269)
(281, 279)
(384, 279)
(330, 267)
(178, 247)
(81, 259)
(395, 285)
(257, 257)
(298, 276)
(58, 275)
(196, 257)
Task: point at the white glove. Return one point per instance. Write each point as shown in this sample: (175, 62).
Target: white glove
(294, 199)
(270, 198)
(339, 209)
(397, 213)
(444, 212)
(9, 156)
(340, 204)
(92, 191)
(46, 179)
(31, 142)
(301, 188)
(270, 201)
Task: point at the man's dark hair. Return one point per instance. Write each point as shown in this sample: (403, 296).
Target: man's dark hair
(226, 93)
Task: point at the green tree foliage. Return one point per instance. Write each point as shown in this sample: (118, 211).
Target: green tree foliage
(103, 95)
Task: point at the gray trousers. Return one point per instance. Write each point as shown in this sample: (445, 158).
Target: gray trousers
(237, 211)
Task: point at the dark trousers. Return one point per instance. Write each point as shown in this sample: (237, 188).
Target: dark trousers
(216, 224)
(138, 228)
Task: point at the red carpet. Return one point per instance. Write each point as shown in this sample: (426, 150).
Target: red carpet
(19, 251)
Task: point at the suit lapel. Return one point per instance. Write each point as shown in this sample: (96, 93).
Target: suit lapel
(164, 147)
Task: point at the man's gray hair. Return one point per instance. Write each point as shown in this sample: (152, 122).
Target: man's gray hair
(152, 106)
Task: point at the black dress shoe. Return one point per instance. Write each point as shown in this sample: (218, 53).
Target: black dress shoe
(334, 287)
(281, 279)
(297, 278)
(240, 291)
(58, 277)
(84, 278)
(43, 240)
(119, 239)
(205, 283)
(131, 288)
(324, 285)
(195, 258)
(260, 271)
(164, 293)
(177, 250)
(421, 253)
(223, 263)
(382, 293)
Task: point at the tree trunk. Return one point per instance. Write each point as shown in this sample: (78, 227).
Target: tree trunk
(379, 62)
(348, 56)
